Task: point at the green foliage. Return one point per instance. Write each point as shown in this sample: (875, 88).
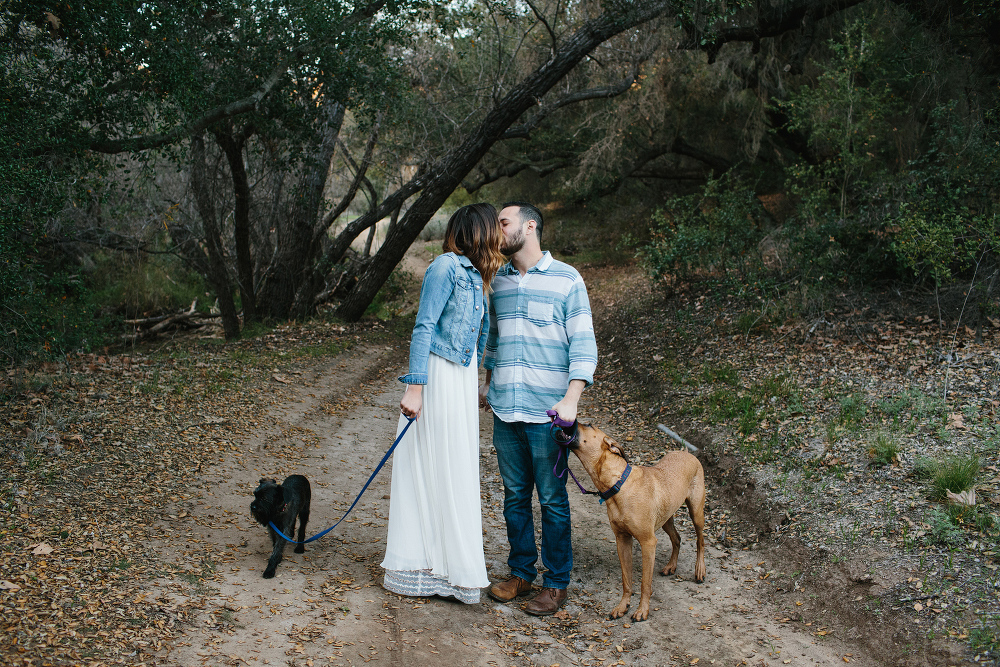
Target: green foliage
(955, 474)
(885, 450)
(141, 285)
(718, 229)
(845, 117)
(389, 299)
(947, 221)
(852, 409)
(943, 528)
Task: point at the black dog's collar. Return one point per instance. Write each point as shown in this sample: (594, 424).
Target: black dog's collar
(618, 485)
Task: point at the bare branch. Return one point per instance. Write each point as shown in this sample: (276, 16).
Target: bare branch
(678, 147)
(359, 178)
(543, 164)
(604, 92)
(541, 18)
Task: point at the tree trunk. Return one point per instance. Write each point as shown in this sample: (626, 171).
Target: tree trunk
(232, 144)
(447, 174)
(298, 245)
(216, 273)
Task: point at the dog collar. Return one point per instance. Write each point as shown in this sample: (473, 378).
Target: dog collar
(618, 485)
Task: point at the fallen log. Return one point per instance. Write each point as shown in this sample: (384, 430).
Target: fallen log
(151, 327)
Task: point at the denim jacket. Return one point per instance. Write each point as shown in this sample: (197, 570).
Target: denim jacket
(452, 317)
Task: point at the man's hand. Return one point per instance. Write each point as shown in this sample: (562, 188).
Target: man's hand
(412, 401)
(568, 405)
(484, 390)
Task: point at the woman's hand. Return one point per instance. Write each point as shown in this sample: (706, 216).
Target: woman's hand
(412, 401)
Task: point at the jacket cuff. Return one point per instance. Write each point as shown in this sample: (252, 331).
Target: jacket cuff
(414, 378)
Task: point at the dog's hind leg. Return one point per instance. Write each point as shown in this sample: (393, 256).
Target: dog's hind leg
(675, 546)
(624, 541)
(696, 507)
(303, 518)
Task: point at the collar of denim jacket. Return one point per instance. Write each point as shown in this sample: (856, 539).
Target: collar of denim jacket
(465, 261)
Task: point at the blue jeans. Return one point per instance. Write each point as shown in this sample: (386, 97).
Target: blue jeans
(526, 454)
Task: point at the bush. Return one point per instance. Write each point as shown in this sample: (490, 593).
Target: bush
(948, 220)
(716, 230)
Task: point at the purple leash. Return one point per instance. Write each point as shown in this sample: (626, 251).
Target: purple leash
(565, 434)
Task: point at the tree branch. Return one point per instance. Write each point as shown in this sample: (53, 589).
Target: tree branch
(541, 18)
(543, 164)
(771, 21)
(359, 178)
(678, 147)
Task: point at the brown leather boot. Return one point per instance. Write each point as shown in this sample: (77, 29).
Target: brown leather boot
(505, 591)
(547, 602)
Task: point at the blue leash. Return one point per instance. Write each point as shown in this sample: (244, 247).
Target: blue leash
(385, 458)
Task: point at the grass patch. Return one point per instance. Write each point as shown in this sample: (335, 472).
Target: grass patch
(884, 451)
(955, 474)
(326, 349)
(389, 299)
(852, 410)
(723, 373)
(985, 639)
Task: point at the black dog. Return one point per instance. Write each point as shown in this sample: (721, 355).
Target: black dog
(282, 504)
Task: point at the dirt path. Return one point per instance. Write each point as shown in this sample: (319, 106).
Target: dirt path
(326, 606)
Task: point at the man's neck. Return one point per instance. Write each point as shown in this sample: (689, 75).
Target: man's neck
(525, 258)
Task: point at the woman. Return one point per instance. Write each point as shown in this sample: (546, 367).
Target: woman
(435, 543)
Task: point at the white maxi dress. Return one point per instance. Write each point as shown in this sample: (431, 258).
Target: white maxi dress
(435, 541)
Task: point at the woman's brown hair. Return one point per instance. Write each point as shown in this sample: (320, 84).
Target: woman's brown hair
(474, 231)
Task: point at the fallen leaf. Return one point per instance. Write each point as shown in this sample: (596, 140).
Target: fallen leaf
(41, 549)
(9, 586)
(967, 497)
(918, 607)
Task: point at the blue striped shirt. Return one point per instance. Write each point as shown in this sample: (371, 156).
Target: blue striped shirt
(541, 337)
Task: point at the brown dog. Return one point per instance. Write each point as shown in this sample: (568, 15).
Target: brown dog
(647, 499)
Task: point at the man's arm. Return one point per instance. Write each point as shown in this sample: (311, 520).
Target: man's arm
(568, 405)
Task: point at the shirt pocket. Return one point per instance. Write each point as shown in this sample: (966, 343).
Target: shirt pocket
(540, 312)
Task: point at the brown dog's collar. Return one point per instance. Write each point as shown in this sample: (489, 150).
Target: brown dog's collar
(617, 485)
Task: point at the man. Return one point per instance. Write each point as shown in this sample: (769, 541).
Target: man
(540, 355)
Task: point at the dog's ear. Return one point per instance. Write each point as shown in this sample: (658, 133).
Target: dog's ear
(615, 448)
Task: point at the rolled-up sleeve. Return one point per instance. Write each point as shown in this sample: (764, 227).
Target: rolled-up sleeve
(580, 334)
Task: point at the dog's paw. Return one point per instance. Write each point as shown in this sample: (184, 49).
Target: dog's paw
(300, 549)
(269, 574)
(668, 570)
(618, 612)
(640, 615)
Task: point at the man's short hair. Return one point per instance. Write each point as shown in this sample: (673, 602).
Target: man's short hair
(527, 212)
